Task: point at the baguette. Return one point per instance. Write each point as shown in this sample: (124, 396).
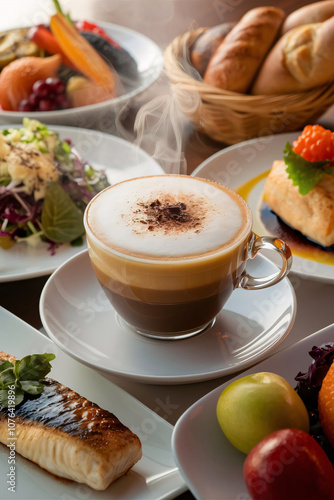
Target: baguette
(205, 45)
(300, 60)
(237, 59)
(314, 13)
(311, 214)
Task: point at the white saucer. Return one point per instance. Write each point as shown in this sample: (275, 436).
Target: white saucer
(79, 318)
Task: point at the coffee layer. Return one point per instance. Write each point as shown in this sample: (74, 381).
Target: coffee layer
(169, 316)
(174, 216)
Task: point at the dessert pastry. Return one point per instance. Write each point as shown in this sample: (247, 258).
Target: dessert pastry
(308, 209)
(311, 214)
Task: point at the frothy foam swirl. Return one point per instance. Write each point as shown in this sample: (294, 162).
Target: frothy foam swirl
(173, 216)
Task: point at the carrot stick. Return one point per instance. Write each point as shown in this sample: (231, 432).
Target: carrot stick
(81, 53)
(42, 37)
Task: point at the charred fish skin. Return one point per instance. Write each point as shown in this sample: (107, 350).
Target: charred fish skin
(60, 407)
(72, 437)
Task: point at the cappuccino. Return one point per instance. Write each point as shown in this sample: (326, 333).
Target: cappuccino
(169, 250)
(168, 217)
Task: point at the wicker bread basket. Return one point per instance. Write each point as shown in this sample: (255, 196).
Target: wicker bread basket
(231, 117)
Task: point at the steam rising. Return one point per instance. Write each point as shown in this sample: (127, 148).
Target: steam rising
(158, 126)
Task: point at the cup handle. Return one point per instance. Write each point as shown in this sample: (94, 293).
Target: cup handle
(257, 243)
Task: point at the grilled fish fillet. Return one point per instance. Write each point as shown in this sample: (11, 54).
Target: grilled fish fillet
(71, 437)
(311, 214)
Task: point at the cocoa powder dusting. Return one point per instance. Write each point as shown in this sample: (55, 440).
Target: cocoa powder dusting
(169, 215)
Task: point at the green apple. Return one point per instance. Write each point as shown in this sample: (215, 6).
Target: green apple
(254, 406)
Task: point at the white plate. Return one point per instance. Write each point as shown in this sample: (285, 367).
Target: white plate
(211, 466)
(154, 477)
(121, 160)
(78, 317)
(239, 164)
(101, 116)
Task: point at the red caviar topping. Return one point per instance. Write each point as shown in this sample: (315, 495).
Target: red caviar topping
(315, 143)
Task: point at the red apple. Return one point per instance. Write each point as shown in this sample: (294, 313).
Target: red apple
(289, 464)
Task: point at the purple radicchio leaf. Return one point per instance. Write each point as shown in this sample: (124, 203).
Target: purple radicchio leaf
(323, 357)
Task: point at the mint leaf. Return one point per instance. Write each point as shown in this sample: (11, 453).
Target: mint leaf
(33, 367)
(25, 375)
(4, 399)
(7, 377)
(62, 222)
(32, 386)
(303, 173)
(5, 364)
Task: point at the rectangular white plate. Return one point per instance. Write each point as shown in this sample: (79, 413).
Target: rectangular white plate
(154, 477)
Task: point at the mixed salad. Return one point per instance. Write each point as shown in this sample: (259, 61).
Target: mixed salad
(44, 187)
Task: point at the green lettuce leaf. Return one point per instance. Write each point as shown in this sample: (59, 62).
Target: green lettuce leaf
(62, 222)
(303, 173)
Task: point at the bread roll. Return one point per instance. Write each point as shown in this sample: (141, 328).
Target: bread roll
(205, 45)
(314, 13)
(311, 214)
(300, 60)
(237, 59)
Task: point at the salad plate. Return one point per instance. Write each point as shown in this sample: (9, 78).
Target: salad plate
(78, 317)
(244, 168)
(101, 116)
(119, 159)
(210, 465)
(154, 477)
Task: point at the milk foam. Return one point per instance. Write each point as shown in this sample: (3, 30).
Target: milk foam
(131, 216)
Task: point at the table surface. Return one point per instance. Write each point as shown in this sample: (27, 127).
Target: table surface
(161, 20)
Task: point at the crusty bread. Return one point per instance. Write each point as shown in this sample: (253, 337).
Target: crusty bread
(237, 59)
(205, 45)
(311, 214)
(313, 13)
(300, 60)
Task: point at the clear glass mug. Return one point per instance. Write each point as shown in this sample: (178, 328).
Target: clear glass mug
(173, 297)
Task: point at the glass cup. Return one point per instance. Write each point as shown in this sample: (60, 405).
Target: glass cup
(155, 247)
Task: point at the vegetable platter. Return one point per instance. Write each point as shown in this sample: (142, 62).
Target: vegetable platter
(75, 72)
